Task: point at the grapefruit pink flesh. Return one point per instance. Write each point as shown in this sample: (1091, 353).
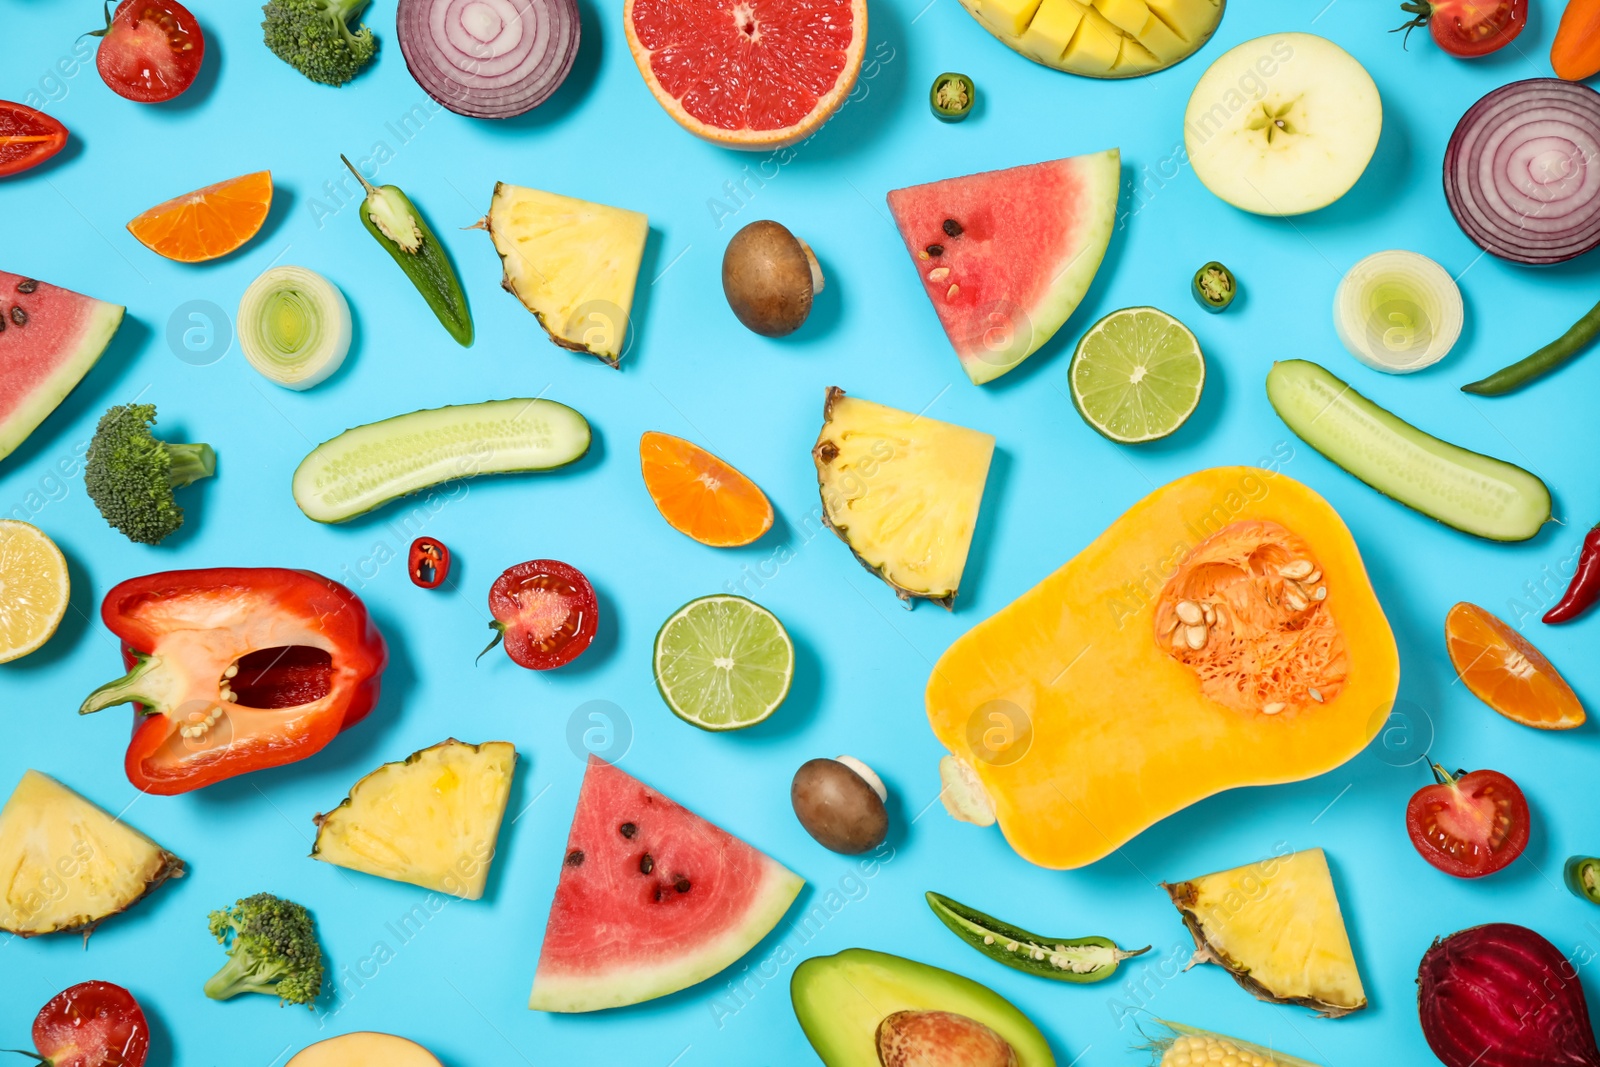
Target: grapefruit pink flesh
(652, 899)
(1006, 256)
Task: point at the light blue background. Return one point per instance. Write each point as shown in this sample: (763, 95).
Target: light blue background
(461, 983)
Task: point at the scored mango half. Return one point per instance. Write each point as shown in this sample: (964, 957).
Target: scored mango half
(1222, 633)
(1101, 38)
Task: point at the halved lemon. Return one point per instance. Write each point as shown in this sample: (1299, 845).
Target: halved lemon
(33, 589)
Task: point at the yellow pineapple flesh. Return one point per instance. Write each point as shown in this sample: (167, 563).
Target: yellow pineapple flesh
(573, 263)
(65, 864)
(430, 820)
(1277, 928)
(903, 491)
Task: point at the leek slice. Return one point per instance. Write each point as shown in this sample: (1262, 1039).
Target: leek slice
(1398, 312)
(294, 326)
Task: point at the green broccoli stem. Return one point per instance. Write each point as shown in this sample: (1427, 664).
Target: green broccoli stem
(190, 463)
(241, 974)
(346, 11)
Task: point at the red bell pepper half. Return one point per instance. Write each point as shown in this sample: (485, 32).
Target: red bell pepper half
(235, 669)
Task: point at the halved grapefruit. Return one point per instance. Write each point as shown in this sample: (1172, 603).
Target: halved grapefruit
(751, 74)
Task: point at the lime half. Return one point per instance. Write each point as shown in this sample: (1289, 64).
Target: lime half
(723, 662)
(1137, 375)
(33, 589)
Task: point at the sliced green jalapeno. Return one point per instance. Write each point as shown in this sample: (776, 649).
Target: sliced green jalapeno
(1075, 959)
(1583, 877)
(952, 96)
(1214, 287)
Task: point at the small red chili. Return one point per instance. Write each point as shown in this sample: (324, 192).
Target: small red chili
(1584, 591)
(429, 564)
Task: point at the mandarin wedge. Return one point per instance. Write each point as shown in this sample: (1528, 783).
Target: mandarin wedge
(207, 223)
(1507, 673)
(700, 495)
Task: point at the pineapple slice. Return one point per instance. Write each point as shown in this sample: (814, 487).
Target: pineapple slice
(1276, 927)
(431, 820)
(572, 263)
(902, 491)
(66, 865)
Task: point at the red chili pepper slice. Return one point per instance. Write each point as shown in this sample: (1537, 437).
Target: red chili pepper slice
(1584, 591)
(429, 564)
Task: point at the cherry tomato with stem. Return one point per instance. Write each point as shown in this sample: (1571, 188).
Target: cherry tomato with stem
(92, 1024)
(545, 611)
(1468, 825)
(1467, 28)
(150, 50)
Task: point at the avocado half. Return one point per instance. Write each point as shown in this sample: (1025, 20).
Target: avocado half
(840, 1000)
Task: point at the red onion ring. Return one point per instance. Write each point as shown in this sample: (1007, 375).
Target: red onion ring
(1522, 173)
(489, 59)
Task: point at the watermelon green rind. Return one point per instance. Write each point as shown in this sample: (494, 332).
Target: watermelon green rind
(1053, 223)
(39, 340)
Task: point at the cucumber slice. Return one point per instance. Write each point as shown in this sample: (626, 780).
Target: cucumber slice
(1467, 490)
(368, 466)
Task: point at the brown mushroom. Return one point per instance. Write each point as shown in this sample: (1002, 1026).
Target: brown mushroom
(840, 802)
(770, 277)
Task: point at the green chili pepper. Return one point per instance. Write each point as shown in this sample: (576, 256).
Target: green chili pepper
(1553, 355)
(1583, 877)
(396, 224)
(952, 96)
(1077, 959)
(1214, 287)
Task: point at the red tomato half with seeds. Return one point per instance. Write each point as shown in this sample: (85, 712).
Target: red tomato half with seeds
(545, 611)
(27, 137)
(150, 50)
(1468, 28)
(93, 1024)
(1469, 825)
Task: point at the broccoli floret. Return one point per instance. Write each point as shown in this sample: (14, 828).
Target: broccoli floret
(314, 37)
(130, 475)
(272, 949)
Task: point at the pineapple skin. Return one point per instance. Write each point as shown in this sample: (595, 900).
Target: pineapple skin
(87, 868)
(826, 451)
(352, 834)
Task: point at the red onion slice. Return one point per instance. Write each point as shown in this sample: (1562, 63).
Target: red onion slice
(489, 59)
(1522, 173)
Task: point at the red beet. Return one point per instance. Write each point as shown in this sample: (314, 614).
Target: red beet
(1502, 996)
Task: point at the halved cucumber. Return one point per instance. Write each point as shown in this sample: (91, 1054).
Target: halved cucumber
(368, 466)
(1467, 490)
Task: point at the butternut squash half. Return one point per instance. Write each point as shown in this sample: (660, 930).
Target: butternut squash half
(1222, 633)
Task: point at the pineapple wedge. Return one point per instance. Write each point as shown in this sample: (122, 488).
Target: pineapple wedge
(572, 263)
(431, 820)
(1276, 927)
(66, 865)
(902, 491)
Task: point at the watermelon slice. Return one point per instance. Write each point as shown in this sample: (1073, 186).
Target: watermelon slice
(1007, 255)
(49, 338)
(652, 899)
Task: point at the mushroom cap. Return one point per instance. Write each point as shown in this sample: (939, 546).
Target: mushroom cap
(768, 278)
(838, 807)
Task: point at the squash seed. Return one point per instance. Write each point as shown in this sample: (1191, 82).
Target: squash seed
(1297, 570)
(1190, 612)
(1273, 708)
(1195, 637)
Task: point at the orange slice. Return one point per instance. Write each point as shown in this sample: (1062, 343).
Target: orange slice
(755, 74)
(209, 222)
(1507, 673)
(700, 495)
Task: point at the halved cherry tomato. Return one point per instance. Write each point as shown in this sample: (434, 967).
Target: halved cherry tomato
(27, 137)
(150, 50)
(1468, 825)
(429, 563)
(545, 610)
(93, 1024)
(1468, 28)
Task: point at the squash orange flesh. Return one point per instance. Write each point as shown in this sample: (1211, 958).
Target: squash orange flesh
(1105, 731)
(1507, 673)
(700, 495)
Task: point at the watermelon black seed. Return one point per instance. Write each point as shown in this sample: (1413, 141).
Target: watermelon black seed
(646, 865)
(2, 324)
(952, 228)
(681, 885)
(19, 316)
(27, 285)
(936, 250)
(575, 858)
(627, 829)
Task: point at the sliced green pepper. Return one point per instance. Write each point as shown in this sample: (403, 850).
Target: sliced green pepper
(399, 227)
(1214, 287)
(1077, 959)
(1583, 877)
(952, 96)
(1568, 346)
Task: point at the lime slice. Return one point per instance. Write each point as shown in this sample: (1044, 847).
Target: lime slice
(723, 662)
(33, 589)
(1137, 375)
